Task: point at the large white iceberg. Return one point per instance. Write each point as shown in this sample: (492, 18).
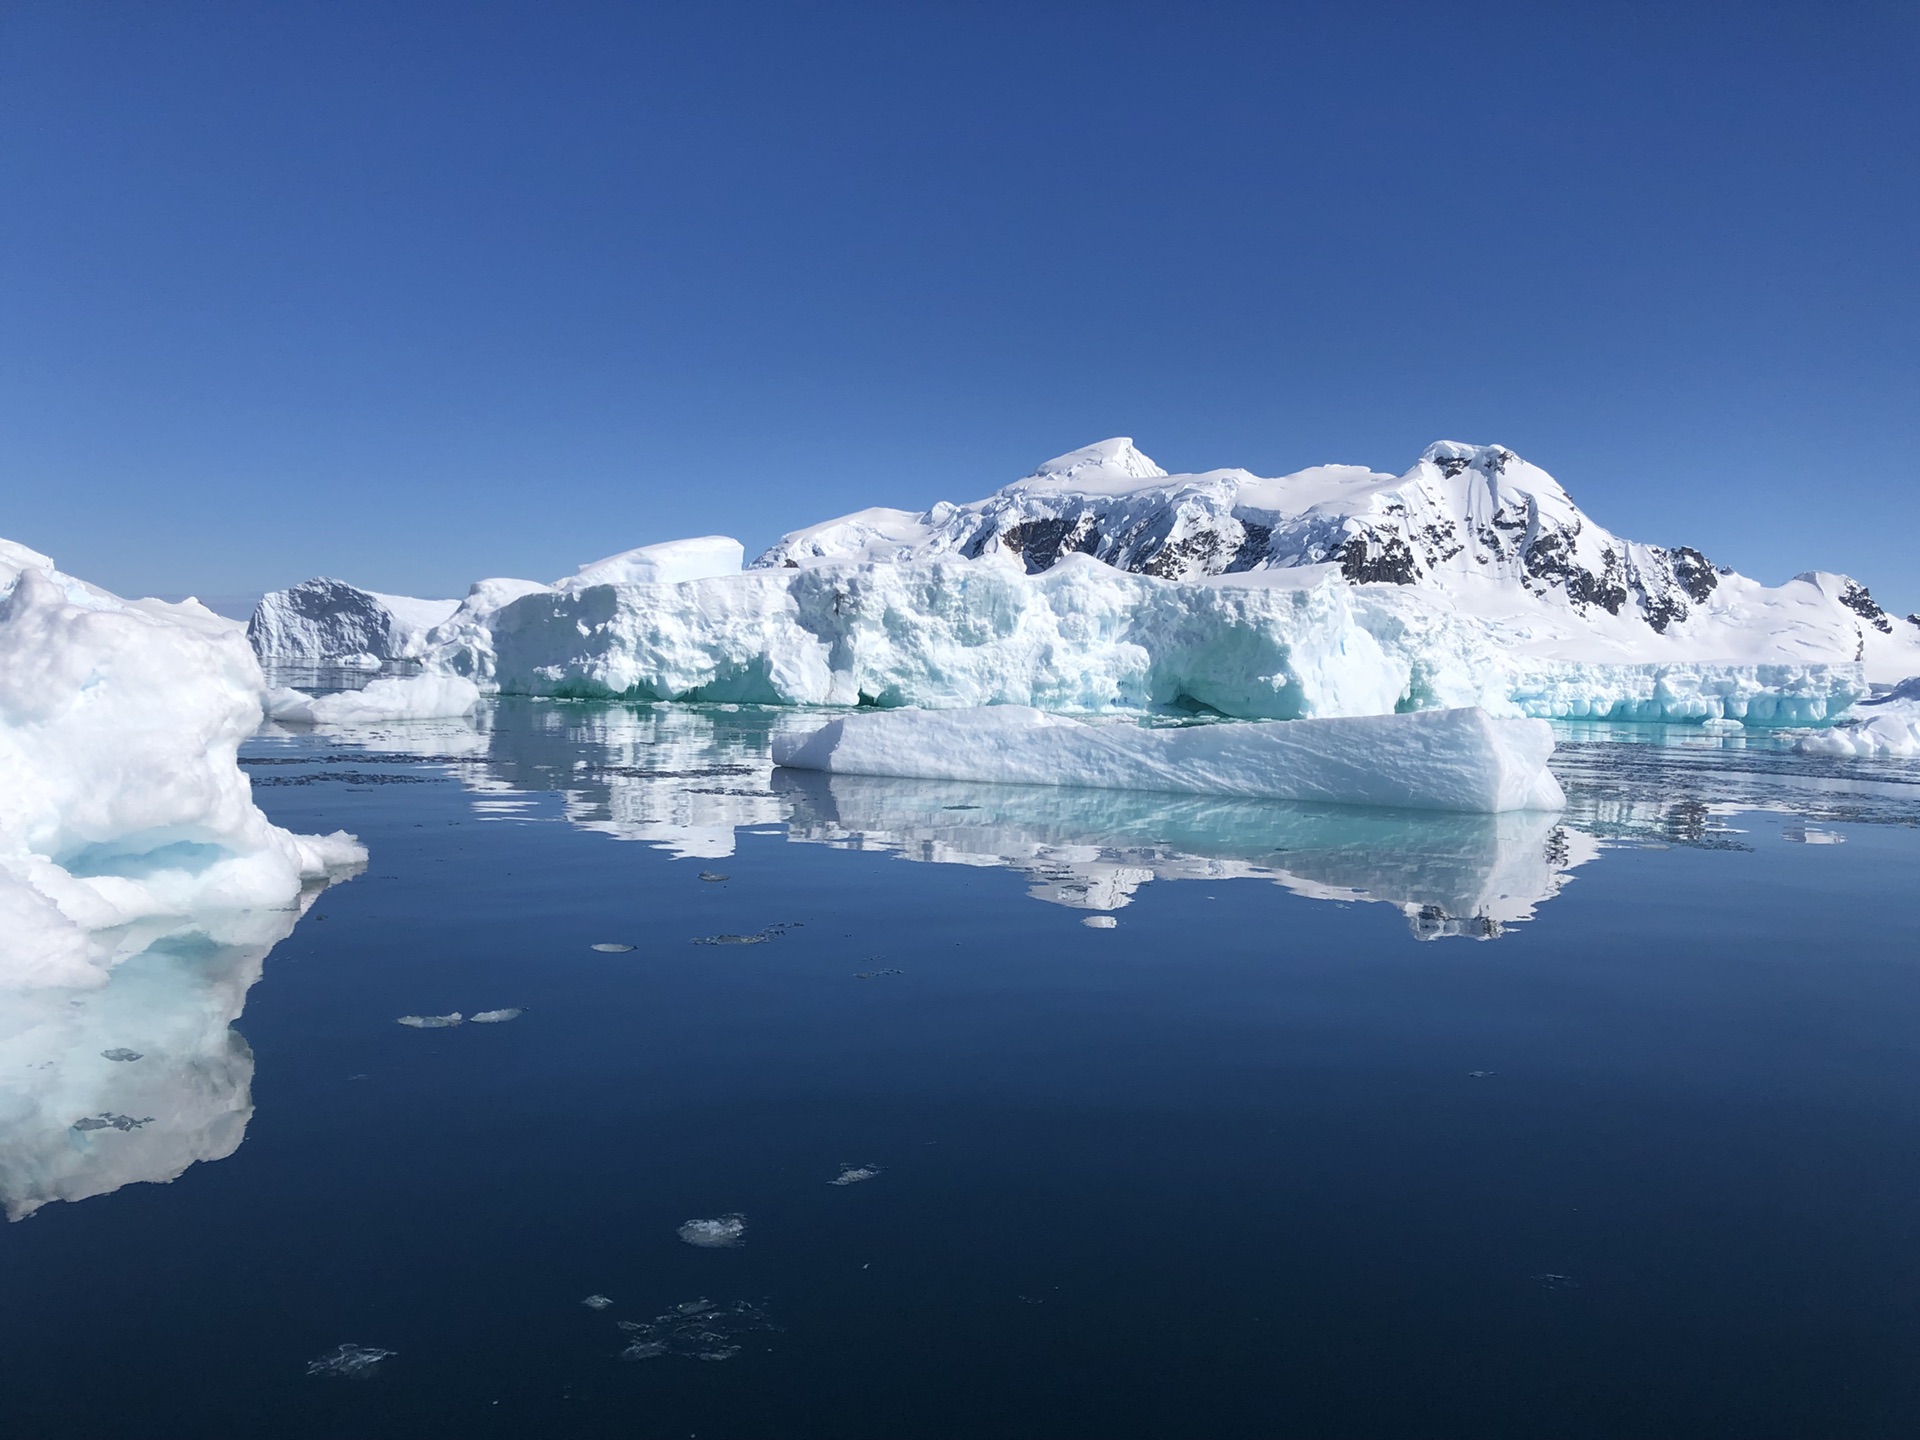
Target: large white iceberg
(1100, 582)
(329, 622)
(1427, 760)
(124, 815)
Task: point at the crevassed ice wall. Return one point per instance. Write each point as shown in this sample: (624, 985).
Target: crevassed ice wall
(1080, 637)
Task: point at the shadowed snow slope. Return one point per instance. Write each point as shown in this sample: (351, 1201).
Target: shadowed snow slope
(124, 816)
(1101, 582)
(1431, 760)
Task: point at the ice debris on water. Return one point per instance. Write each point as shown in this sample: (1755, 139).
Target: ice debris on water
(107, 1120)
(758, 937)
(712, 877)
(120, 1052)
(496, 1017)
(610, 947)
(1481, 1074)
(1100, 922)
(597, 1302)
(720, 1233)
(875, 974)
(854, 1174)
(353, 1362)
(432, 1022)
(1548, 1280)
(695, 1330)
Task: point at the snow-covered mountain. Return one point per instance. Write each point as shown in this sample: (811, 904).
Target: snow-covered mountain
(1100, 582)
(1473, 524)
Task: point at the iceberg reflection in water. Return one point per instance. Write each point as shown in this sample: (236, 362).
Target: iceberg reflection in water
(686, 778)
(1093, 849)
(79, 1118)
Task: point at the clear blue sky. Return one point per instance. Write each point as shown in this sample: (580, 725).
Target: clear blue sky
(411, 293)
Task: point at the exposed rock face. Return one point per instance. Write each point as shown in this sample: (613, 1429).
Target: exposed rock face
(1461, 510)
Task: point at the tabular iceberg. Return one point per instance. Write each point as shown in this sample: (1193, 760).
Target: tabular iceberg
(1429, 760)
(394, 697)
(124, 815)
(1100, 582)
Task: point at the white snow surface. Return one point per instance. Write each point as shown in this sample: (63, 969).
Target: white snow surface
(124, 814)
(393, 697)
(1100, 582)
(1462, 759)
(672, 563)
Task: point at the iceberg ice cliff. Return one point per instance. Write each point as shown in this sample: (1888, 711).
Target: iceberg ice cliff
(125, 818)
(1463, 760)
(1101, 582)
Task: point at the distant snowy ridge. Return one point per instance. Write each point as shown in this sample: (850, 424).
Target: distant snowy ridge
(1101, 582)
(125, 817)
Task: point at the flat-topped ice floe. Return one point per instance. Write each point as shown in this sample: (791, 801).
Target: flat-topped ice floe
(1464, 759)
(409, 697)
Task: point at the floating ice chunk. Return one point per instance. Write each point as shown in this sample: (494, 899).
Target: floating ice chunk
(854, 1174)
(495, 1017)
(121, 1053)
(350, 1362)
(1100, 922)
(1889, 726)
(124, 815)
(1481, 1074)
(396, 697)
(712, 877)
(1462, 759)
(432, 1022)
(597, 1302)
(696, 1330)
(724, 1232)
(1547, 1280)
(612, 947)
(757, 939)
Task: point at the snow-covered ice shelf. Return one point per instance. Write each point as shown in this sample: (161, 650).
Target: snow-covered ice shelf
(1461, 759)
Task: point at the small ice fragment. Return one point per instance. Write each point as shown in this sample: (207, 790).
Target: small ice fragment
(731, 939)
(120, 1052)
(1481, 1074)
(432, 1022)
(1550, 1281)
(712, 876)
(609, 947)
(597, 1302)
(495, 1017)
(352, 1362)
(854, 1174)
(717, 1234)
(695, 1330)
(1100, 922)
(875, 974)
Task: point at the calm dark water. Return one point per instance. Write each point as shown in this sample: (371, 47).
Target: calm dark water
(1223, 1168)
